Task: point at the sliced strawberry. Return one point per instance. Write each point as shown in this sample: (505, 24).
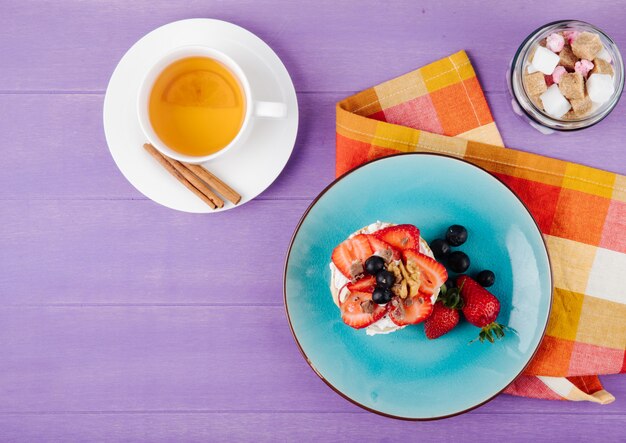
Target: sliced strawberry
(340, 294)
(359, 311)
(410, 311)
(350, 255)
(365, 284)
(400, 236)
(432, 273)
(384, 249)
(442, 321)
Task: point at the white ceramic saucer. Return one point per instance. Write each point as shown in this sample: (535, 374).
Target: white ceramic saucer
(249, 168)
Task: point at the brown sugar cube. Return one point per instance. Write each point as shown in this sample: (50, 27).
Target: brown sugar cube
(580, 106)
(535, 83)
(601, 67)
(536, 99)
(568, 59)
(572, 85)
(587, 45)
(531, 54)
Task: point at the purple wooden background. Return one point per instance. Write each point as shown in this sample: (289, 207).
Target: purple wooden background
(123, 320)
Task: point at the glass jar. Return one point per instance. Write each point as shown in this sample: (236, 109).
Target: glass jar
(534, 115)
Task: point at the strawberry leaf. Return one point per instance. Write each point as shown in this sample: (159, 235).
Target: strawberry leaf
(452, 297)
(487, 333)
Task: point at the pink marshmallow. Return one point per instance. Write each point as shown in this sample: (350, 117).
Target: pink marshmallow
(558, 73)
(555, 42)
(583, 67)
(571, 36)
(549, 80)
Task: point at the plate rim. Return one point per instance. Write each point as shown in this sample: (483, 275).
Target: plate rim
(303, 353)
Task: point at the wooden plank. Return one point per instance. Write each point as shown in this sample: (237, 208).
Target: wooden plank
(186, 358)
(327, 427)
(115, 325)
(326, 45)
(126, 251)
(61, 152)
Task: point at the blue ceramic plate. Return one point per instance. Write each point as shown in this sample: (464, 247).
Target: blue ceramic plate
(404, 374)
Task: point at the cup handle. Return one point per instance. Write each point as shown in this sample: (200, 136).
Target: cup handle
(270, 109)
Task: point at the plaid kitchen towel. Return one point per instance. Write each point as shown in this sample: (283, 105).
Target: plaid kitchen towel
(580, 210)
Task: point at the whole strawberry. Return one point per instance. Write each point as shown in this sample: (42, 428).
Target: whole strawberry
(481, 308)
(445, 314)
(441, 321)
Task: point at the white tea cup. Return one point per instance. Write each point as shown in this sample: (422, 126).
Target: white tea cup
(253, 109)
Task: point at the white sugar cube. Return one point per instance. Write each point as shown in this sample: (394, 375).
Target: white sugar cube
(604, 55)
(600, 87)
(555, 103)
(545, 60)
(531, 69)
(594, 107)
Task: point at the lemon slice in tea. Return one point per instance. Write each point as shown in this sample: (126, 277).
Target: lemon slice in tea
(202, 89)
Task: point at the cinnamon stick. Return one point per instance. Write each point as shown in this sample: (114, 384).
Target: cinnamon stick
(215, 183)
(194, 180)
(163, 161)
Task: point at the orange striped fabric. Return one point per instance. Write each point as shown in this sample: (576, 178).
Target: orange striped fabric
(580, 210)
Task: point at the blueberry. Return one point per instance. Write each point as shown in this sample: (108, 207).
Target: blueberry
(486, 278)
(381, 295)
(458, 261)
(385, 279)
(456, 235)
(440, 248)
(374, 265)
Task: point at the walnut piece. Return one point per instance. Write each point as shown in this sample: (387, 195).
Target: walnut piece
(407, 279)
